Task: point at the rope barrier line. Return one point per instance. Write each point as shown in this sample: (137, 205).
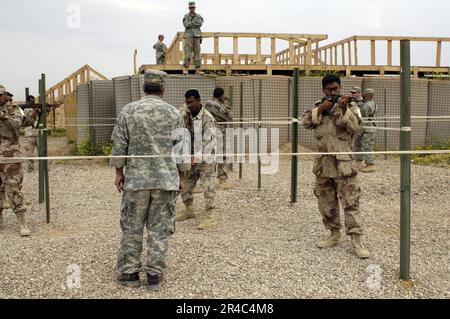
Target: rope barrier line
(54, 158)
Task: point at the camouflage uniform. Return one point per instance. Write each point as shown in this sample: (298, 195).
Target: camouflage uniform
(161, 49)
(365, 141)
(222, 113)
(192, 38)
(204, 168)
(151, 185)
(336, 178)
(31, 133)
(11, 174)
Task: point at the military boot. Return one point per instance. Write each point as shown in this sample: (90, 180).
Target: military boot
(5, 201)
(198, 72)
(209, 221)
(333, 240)
(358, 248)
(368, 169)
(197, 189)
(129, 280)
(24, 231)
(185, 70)
(224, 184)
(359, 165)
(1, 220)
(189, 212)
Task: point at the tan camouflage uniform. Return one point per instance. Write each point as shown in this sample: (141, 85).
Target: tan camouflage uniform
(222, 113)
(336, 177)
(30, 139)
(151, 185)
(204, 168)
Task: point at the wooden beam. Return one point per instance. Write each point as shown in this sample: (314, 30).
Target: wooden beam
(258, 49)
(372, 53)
(309, 53)
(349, 44)
(216, 50)
(291, 52)
(355, 44)
(335, 56)
(236, 50)
(389, 54)
(438, 53)
(387, 38)
(343, 53)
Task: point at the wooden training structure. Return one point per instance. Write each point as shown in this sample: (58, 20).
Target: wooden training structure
(65, 92)
(304, 51)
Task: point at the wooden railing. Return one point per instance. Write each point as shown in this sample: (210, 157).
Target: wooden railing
(175, 55)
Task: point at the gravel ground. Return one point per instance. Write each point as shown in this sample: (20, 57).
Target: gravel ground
(262, 247)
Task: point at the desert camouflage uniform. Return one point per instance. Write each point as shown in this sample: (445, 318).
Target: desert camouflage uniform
(365, 140)
(222, 113)
(192, 38)
(161, 49)
(147, 127)
(336, 178)
(202, 129)
(30, 139)
(11, 174)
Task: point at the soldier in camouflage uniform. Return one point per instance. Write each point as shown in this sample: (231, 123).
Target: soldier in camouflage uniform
(150, 185)
(222, 113)
(192, 22)
(201, 125)
(11, 174)
(365, 140)
(160, 49)
(31, 132)
(334, 126)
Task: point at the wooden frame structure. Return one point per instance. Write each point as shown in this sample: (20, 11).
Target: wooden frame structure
(304, 51)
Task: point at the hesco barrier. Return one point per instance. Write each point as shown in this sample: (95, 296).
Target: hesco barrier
(95, 112)
(438, 105)
(122, 92)
(105, 99)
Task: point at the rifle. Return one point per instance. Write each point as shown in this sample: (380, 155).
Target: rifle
(38, 106)
(335, 98)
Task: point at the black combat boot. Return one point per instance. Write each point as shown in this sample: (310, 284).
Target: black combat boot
(129, 280)
(154, 282)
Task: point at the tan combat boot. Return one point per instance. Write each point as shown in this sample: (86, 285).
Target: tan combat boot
(197, 189)
(359, 165)
(368, 169)
(189, 212)
(5, 201)
(358, 248)
(224, 184)
(24, 231)
(209, 221)
(198, 72)
(185, 70)
(333, 240)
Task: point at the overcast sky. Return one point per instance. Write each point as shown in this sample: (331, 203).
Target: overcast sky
(46, 36)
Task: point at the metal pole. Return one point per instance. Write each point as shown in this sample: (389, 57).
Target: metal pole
(405, 171)
(258, 145)
(27, 93)
(241, 119)
(294, 158)
(385, 124)
(231, 90)
(41, 148)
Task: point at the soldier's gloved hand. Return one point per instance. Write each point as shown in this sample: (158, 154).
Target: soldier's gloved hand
(325, 106)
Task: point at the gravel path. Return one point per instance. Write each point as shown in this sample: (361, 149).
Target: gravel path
(262, 247)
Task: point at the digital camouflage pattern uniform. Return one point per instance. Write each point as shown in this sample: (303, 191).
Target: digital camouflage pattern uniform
(147, 127)
(192, 38)
(202, 129)
(336, 178)
(222, 113)
(161, 49)
(365, 140)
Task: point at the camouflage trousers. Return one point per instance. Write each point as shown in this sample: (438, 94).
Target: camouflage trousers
(154, 209)
(208, 178)
(29, 144)
(12, 178)
(192, 45)
(222, 171)
(365, 143)
(161, 60)
(346, 191)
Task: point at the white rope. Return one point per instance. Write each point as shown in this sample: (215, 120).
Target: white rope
(69, 158)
